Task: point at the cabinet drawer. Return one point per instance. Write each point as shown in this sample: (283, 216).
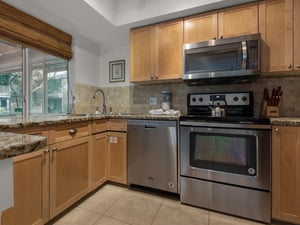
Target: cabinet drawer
(69, 132)
(99, 126)
(117, 125)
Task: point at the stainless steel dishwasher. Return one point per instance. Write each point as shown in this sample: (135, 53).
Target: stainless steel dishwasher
(152, 154)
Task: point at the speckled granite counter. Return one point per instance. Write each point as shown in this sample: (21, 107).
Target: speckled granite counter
(285, 121)
(12, 144)
(48, 120)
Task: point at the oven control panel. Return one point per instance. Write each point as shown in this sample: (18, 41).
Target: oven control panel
(229, 99)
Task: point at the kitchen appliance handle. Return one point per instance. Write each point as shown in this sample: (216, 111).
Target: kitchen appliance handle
(241, 125)
(150, 127)
(244, 55)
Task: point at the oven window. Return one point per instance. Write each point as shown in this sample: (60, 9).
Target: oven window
(224, 152)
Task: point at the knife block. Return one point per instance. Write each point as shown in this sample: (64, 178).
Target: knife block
(270, 111)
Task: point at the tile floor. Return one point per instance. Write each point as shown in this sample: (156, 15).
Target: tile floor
(115, 205)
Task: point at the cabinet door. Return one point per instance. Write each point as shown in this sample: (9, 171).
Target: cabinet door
(240, 20)
(31, 190)
(99, 159)
(168, 50)
(276, 28)
(69, 173)
(201, 27)
(117, 157)
(285, 174)
(142, 54)
(296, 34)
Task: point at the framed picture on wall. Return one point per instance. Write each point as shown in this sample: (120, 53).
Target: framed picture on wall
(117, 71)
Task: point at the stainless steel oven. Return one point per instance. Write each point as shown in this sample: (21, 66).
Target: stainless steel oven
(225, 162)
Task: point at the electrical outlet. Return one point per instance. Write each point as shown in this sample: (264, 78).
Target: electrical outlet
(153, 101)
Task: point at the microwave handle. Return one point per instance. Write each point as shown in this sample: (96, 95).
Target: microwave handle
(244, 56)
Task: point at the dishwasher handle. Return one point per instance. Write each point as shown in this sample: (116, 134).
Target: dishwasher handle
(149, 127)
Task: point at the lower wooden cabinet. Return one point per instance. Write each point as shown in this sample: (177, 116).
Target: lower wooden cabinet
(69, 173)
(117, 157)
(286, 173)
(99, 159)
(31, 190)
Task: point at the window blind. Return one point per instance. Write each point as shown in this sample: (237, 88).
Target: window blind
(18, 27)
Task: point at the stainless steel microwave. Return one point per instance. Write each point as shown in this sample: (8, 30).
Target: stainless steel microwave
(235, 59)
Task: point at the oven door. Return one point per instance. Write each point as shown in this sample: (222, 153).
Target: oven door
(237, 156)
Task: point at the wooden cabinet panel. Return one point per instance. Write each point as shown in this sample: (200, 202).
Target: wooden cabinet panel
(156, 52)
(296, 35)
(117, 157)
(69, 173)
(99, 159)
(201, 27)
(240, 20)
(69, 132)
(276, 28)
(99, 126)
(286, 173)
(142, 54)
(117, 125)
(31, 188)
(168, 50)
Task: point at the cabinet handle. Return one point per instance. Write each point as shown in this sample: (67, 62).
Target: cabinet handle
(290, 66)
(298, 66)
(221, 37)
(54, 149)
(46, 151)
(72, 132)
(276, 129)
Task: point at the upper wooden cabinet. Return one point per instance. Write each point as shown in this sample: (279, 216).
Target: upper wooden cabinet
(279, 28)
(201, 27)
(286, 173)
(156, 52)
(230, 22)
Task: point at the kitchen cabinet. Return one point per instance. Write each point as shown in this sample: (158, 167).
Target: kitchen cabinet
(117, 157)
(109, 151)
(279, 28)
(156, 52)
(286, 173)
(99, 159)
(70, 164)
(230, 22)
(69, 173)
(31, 190)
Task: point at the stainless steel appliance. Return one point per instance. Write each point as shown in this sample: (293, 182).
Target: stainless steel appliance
(225, 161)
(235, 59)
(152, 154)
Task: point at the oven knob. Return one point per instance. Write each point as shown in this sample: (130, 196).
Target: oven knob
(235, 98)
(251, 171)
(200, 99)
(193, 99)
(244, 99)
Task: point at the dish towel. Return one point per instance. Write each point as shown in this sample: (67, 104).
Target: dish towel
(169, 112)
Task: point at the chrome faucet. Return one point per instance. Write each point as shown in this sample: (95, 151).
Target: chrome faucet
(103, 98)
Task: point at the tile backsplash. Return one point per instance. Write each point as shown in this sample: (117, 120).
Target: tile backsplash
(135, 98)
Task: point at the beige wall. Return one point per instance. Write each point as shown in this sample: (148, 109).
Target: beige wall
(135, 98)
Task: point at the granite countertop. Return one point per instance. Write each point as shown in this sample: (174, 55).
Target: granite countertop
(47, 120)
(12, 144)
(285, 121)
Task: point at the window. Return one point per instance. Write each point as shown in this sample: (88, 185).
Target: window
(43, 76)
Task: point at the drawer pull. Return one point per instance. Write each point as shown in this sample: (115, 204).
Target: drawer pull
(290, 66)
(54, 149)
(298, 66)
(72, 132)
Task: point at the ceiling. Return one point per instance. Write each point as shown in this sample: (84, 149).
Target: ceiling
(107, 22)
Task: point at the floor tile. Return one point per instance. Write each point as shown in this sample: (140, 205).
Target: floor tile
(136, 208)
(103, 200)
(109, 221)
(172, 212)
(79, 216)
(218, 218)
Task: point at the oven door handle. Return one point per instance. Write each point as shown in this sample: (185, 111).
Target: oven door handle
(226, 125)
